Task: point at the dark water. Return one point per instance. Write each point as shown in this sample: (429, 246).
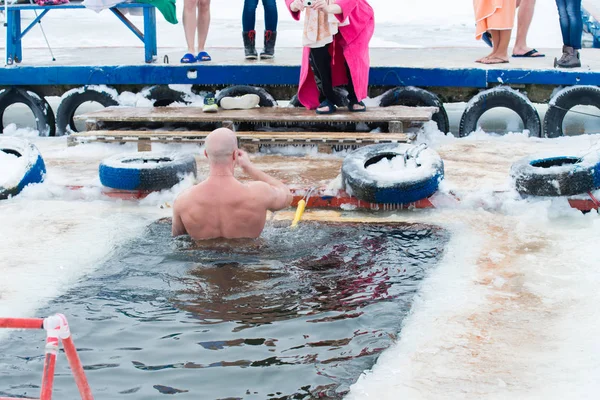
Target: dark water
(298, 315)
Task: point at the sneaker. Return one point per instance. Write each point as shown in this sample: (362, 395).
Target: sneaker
(210, 105)
(244, 102)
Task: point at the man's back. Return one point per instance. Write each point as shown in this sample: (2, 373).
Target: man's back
(222, 208)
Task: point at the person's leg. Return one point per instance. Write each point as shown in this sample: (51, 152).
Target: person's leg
(189, 23)
(525, 16)
(574, 30)
(575, 23)
(248, 26)
(351, 92)
(563, 18)
(492, 40)
(203, 23)
(501, 39)
(270, 28)
(352, 99)
(249, 15)
(321, 64)
(271, 16)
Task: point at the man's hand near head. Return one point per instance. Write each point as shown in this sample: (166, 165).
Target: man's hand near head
(276, 194)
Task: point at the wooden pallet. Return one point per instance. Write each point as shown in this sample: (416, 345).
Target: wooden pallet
(250, 141)
(397, 117)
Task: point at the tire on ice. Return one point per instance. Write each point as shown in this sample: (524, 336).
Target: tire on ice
(417, 97)
(31, 168)
(71, 100)
(501, 96)
(564, 175)
(266, 100)
(359, 182)
(44, 116)
(563, 101)
(148, 171)
(163, 95)
(341, 98)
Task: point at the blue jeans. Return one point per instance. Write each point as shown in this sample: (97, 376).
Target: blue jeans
(571, 23)
(249, 15)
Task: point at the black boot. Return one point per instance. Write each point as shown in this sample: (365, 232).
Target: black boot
(250, 45)
(269, 50)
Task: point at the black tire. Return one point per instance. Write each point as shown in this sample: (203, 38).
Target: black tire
(266, 100)
(44, 116)
(74, 98)
(556, 176)
(340, 101)
(341, 96)
(361, 183)
(146, 171)
(30, 168)
(163, 95)
(501, 96)
(294, 102)
(417, 97)
(563, 101)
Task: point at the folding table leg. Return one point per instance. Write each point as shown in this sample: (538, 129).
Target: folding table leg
(13, 37)
(150, 45)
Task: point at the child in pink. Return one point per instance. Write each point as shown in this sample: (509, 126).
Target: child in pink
(344, 61)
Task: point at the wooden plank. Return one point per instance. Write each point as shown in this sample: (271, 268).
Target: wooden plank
(326, 142)
(259, 135)
(256, 115)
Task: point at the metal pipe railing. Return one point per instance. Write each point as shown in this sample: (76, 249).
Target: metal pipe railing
(57, 329)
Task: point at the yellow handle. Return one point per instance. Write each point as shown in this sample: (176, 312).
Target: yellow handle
(299, 212)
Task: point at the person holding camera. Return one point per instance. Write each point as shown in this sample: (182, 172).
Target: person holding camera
(336, 51)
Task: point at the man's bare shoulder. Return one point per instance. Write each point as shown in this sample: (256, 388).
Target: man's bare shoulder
(259, 188)
(257, 185)
(185, 194)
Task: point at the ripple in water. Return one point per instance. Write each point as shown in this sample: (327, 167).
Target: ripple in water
(294, 315)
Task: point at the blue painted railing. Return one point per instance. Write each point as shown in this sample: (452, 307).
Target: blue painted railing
(592, 26)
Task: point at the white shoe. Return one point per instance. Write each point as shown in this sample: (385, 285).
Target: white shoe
(244, 102)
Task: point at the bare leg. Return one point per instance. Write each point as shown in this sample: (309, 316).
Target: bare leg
(501, 39)
(203, 22)
(189, 23)
(525, 17)
(502, 49)
(495, 38)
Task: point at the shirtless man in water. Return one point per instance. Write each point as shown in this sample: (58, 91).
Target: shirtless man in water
(223, 207)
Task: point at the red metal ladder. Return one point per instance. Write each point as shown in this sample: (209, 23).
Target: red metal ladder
(56, 327)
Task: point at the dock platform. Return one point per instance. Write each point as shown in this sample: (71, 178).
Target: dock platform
(452, 71)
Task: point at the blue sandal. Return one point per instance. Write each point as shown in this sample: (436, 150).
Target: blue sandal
(203, 56)
(188, 58)
(330, 108)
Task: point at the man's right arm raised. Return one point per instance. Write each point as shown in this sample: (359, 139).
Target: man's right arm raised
(277, 194)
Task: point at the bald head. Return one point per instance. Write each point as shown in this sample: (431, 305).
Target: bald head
(220, 146)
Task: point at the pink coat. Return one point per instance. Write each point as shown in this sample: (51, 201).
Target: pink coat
(353, 40)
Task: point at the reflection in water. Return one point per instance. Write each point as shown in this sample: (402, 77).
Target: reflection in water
(297, 314)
